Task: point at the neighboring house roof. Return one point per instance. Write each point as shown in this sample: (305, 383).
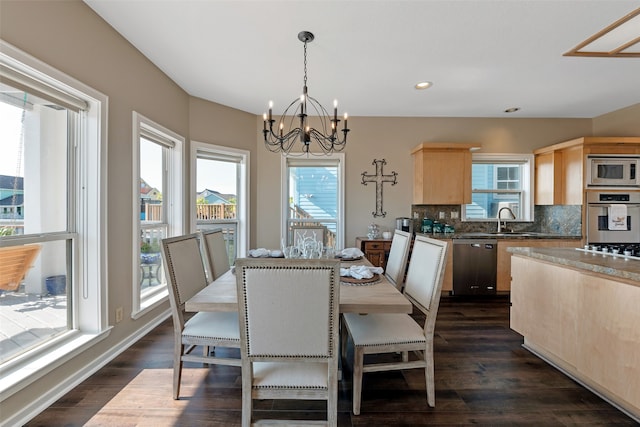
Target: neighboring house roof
(11, 201)
(7, 182)
(213, 197)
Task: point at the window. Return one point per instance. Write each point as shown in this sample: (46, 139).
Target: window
(220, 183)
(314, 195)
(53, 198)
(500, 183)
(157, 207)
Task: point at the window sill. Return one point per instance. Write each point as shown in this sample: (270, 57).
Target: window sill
(151, 302)
(25, 369)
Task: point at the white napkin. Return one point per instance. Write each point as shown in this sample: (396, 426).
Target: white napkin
(351, 253)
(360, 271)
(259, 253)
(618, 217)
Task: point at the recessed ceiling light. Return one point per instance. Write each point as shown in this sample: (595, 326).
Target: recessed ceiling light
(512, 110)
(423, 85)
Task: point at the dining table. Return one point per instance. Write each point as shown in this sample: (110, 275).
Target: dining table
(380, 296)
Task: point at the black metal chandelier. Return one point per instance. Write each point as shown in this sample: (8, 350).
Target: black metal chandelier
(290, 129)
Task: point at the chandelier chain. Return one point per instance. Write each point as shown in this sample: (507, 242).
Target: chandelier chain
(305, 63)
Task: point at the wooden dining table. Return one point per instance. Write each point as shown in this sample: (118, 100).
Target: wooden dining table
(378, 297)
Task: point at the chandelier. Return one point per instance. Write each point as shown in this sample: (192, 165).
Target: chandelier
(294, 123)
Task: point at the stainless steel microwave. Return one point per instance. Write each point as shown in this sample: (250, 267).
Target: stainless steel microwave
(616, 171)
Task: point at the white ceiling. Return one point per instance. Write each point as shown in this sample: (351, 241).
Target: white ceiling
(483, 56)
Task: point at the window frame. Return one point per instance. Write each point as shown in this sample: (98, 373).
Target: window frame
(173, 198)
(328, 160)
(88, 212)
(242, 198)
(527, 184)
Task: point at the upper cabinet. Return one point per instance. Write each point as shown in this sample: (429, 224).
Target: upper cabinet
(442, 173)
(559, 168)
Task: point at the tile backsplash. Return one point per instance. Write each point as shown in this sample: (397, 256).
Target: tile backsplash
(561, 219)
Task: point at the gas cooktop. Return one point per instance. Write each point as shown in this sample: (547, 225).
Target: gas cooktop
(620, 250)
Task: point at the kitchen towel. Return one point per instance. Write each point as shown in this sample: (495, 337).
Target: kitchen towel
(618, 217)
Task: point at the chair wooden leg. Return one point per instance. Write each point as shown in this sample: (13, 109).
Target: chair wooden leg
(247, 398)
(177, 371)
(405, 356)
(332, 402)
(358, 361)
(429, 375)
(344, 340)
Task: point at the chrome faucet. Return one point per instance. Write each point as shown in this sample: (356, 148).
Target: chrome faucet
(500, 226)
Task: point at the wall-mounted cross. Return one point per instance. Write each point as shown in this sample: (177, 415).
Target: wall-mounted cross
(379, 178)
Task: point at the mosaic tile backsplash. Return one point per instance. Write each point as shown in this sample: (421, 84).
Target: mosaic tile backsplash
(565, 220)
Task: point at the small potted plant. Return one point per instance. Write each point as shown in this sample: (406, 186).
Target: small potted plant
(150, 252)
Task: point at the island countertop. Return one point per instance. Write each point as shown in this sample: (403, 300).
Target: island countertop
(616, 267)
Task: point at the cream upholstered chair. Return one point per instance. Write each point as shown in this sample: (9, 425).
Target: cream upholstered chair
(289, 331)
(185, 276)
(386, 333)
(397, 260)
(303, 231)
(215, 250)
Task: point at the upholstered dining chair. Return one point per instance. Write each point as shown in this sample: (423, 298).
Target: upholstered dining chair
(397, 260)
(288, 312)
(215, 250)
(303, 231)
(386, 333)
(185, 276)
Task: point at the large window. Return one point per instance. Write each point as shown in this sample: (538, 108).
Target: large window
(157, 207)
(314, 196)
(220, 188)
(501, 184)
(52, 210)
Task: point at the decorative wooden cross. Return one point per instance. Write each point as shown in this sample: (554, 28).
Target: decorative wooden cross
(379, 178)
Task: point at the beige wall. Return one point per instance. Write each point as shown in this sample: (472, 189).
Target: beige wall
(392, 139)
(623, 122)
(68, 35)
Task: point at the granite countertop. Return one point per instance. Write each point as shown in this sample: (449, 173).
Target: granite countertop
(614, 266)
(520, 235)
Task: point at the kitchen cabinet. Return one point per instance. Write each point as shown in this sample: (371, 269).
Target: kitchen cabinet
(559, 174)
(559, 168)
(581, 322)
(442, 173)
(503, 282)
(376, 250)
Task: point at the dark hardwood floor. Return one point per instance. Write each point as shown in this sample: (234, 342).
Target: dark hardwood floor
(483, 377)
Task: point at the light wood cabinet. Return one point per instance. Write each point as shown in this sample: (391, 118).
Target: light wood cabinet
(376, 250)
(559, 174)
(560, 177)
(442, 173)
(503, 278)
(583, 323)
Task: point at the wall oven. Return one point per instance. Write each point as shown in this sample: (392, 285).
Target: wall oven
(613, 171)
(613, 217)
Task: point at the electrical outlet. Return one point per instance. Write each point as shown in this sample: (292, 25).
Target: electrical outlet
(454, 214)
(442, 216)
(119, 314)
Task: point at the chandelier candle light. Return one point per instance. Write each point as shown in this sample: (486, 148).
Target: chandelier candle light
(326, 136)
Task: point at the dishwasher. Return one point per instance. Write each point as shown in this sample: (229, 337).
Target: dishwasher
(475, 266)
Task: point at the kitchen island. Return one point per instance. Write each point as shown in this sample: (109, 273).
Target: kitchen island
(580, 312)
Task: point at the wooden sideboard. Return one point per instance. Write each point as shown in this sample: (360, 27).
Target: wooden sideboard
(376, 250)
